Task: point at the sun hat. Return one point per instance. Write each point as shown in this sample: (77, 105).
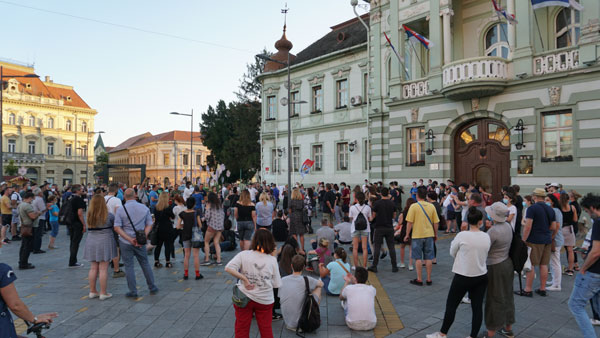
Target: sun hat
(539, 192)
(556, 185)
(497, 211)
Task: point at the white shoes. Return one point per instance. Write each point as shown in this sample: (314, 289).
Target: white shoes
(402, 265)
(93, 295)
(466, 300)
(410, 268)
(595, 322)
(548, 283)
(553, 288)
(435, 335)
(106, 296)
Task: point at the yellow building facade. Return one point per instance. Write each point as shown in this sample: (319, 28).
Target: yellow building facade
(47, 128)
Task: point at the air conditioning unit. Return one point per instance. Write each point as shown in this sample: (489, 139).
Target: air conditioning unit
(356, 100)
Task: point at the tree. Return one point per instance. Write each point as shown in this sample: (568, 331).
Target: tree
(250, 87)
(11, 169)
(101, 161)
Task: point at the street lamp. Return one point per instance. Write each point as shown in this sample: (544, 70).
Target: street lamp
(1, 111)
(191, 139)
(87, 157)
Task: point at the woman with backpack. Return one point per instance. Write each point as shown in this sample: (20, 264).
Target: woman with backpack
(360, 214)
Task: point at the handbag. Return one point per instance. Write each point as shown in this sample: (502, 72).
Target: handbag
(239, 298)
(153, 235)
(197, 241)
(26, 231)
(140, 235)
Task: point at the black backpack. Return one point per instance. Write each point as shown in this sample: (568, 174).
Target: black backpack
(518, 252)
(310, 318)
(65, 215)
(361, 221)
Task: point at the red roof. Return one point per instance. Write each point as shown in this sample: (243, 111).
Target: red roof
(138, 140)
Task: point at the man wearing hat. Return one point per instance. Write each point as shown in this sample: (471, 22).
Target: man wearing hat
(554, 189)
(540, 228)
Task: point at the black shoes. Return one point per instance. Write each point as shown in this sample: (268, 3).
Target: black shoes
(39, 252)
(199, 277)
(394, 269)
(372, 269)
(27, 267)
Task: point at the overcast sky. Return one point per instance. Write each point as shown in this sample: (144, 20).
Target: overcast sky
(134, 78)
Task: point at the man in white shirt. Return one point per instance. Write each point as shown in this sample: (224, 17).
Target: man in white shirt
(358, 301)
(188, 191)
(112, 204)
(293, 290)
(252, 192)
(344, 231)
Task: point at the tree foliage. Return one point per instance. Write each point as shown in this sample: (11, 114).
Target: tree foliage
(11, 169)
(250, 87)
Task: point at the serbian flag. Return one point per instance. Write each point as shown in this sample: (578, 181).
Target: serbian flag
(562, 3)
(510, 18)
(305, 169)
(414, 36)
(393, 49)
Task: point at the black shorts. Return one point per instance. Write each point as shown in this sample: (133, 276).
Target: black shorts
(6, 220)
(345, 208)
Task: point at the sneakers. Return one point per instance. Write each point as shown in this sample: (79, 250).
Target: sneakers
(595, 322)
(131, 295)
(506, 333)
(154, 291)
(402, 265)
(410, 268)
(93, 295)
(435, 335)
(76, 265)
(394, 269)
(553, 288)
(209, 263)
(118, 274)
(383, 255)
(548, 283)
(466, 300)
(105, 297)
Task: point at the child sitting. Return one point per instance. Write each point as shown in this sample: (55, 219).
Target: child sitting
(322, 254)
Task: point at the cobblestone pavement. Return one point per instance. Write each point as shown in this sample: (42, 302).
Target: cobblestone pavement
(203, 308)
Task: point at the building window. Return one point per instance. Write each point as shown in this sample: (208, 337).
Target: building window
(198, 159)
(366, 156)
(84, 151)
(12, 118)
(31, 121)
(166, 159)
(295, 106)
(184, 159)
(68, 125)
(296, 158)
(496, 41)
(557, 136)
(317, 155)
(342, 156)
(317, 99)
(68, 150)
(271, 107)
(416, 146)
(341, 89)
(365, 87)
(568, 28)
(12, 146)
(31, 147)
(50, 148)
(274, 161)
(84, 127)
(50, 123)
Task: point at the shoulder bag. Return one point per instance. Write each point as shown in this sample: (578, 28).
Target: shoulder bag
(140, 235)
(430, 222)
(197, 241)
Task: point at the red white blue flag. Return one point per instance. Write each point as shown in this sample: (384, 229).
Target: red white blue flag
(306, 166)
(414, 36)
(393, 49)
(510, 18)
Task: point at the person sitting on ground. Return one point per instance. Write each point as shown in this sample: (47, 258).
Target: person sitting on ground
(344, 231)
(333, 273)
(280, 227)
(322, 254)
(227, 240)
(325, 232)
(358, 301)
(292, 292)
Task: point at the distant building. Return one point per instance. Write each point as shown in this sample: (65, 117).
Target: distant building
(46, 127)
(166, 156)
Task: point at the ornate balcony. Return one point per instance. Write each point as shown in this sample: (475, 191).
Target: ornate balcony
(415, 89)
(475, 77)
(556, 62)
(24, 158)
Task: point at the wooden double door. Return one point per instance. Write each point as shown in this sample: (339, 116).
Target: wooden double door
(482, 155)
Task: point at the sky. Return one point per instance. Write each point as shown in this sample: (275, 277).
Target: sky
(134, 78)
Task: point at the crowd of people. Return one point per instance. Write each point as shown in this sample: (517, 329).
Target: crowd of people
(368, 221)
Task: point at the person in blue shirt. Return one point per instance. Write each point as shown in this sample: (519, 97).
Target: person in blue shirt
(198, 195)
(120, 192)
(153, 198)
(413, 191)
(9, 299)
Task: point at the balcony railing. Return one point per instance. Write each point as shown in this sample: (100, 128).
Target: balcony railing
(24, 157)
(556, 62)
(415, 89)
(475, 70)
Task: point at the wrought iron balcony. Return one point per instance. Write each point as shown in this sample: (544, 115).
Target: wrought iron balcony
(24, 158)
(475, 77)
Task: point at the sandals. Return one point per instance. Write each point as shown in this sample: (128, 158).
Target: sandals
(569, 272)
(541, 292)
(524, 293)
(416, 282)
(428, 282)
(169, 265)
(157, 264)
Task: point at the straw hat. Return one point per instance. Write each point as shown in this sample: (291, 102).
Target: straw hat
(497, 211)
(539, 192)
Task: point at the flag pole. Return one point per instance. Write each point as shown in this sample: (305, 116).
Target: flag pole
(417, 56)
(504, 32)
(567, 23)
(539, 31)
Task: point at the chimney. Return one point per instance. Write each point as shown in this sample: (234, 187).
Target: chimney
(48, 79)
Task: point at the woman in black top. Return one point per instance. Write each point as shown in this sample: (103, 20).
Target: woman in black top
(163, 216)
(245, 214)
(187, 220)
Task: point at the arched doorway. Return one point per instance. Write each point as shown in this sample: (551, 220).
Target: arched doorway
(482, 155)
(67, 177)
(32, 174)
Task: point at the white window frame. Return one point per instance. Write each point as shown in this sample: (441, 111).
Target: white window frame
(557, 130)
(50, 148)
(271, 107)
(317, 155)
(31, 147)
(341, 93)
(500, 44)
(12, 145)
(166, 159)
(185, 159)
(295, 98)
(572, 27)
(366, 155)
(12, 119)
(342, 156)
(274, 161)
(69, 150)
(317, 99)
(296, 158)
(50, 123)
(420, 142)
(68, 125)
(84, 127)
(31, 121)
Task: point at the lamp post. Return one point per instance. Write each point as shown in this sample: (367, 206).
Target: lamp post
(191, 139)
(87, 157)
(2, 110)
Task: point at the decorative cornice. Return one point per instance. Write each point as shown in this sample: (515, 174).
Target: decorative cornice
(316, 80)
(341, 72)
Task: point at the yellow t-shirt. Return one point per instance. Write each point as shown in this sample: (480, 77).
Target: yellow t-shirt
(421, 227)
(4, 202)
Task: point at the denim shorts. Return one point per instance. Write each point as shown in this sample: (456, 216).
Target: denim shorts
(360, 233)
(54, 225)
(245, 230)
(422, 248)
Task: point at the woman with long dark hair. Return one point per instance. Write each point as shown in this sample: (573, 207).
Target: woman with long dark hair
(245, 214)
(569, 214)
(188, 219)
(215, 219)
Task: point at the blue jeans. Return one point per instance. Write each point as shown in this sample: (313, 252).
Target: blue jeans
(128, 251)
(587, 287)
(54, 225)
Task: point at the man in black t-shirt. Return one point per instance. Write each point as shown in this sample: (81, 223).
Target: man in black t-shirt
(587, 281)
(78, 226)
(383, 212)
(329, 204)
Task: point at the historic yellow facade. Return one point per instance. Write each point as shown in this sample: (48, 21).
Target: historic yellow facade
(47, 128)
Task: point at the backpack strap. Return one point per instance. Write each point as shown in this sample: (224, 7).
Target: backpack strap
(307, 286)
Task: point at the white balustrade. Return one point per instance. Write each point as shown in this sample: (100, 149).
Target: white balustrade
(415, 89)
(479, 69)
(557, 62)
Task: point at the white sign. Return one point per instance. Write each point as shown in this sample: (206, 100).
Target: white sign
(22, 171)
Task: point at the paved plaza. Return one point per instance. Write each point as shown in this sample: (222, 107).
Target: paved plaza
(203, 308)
